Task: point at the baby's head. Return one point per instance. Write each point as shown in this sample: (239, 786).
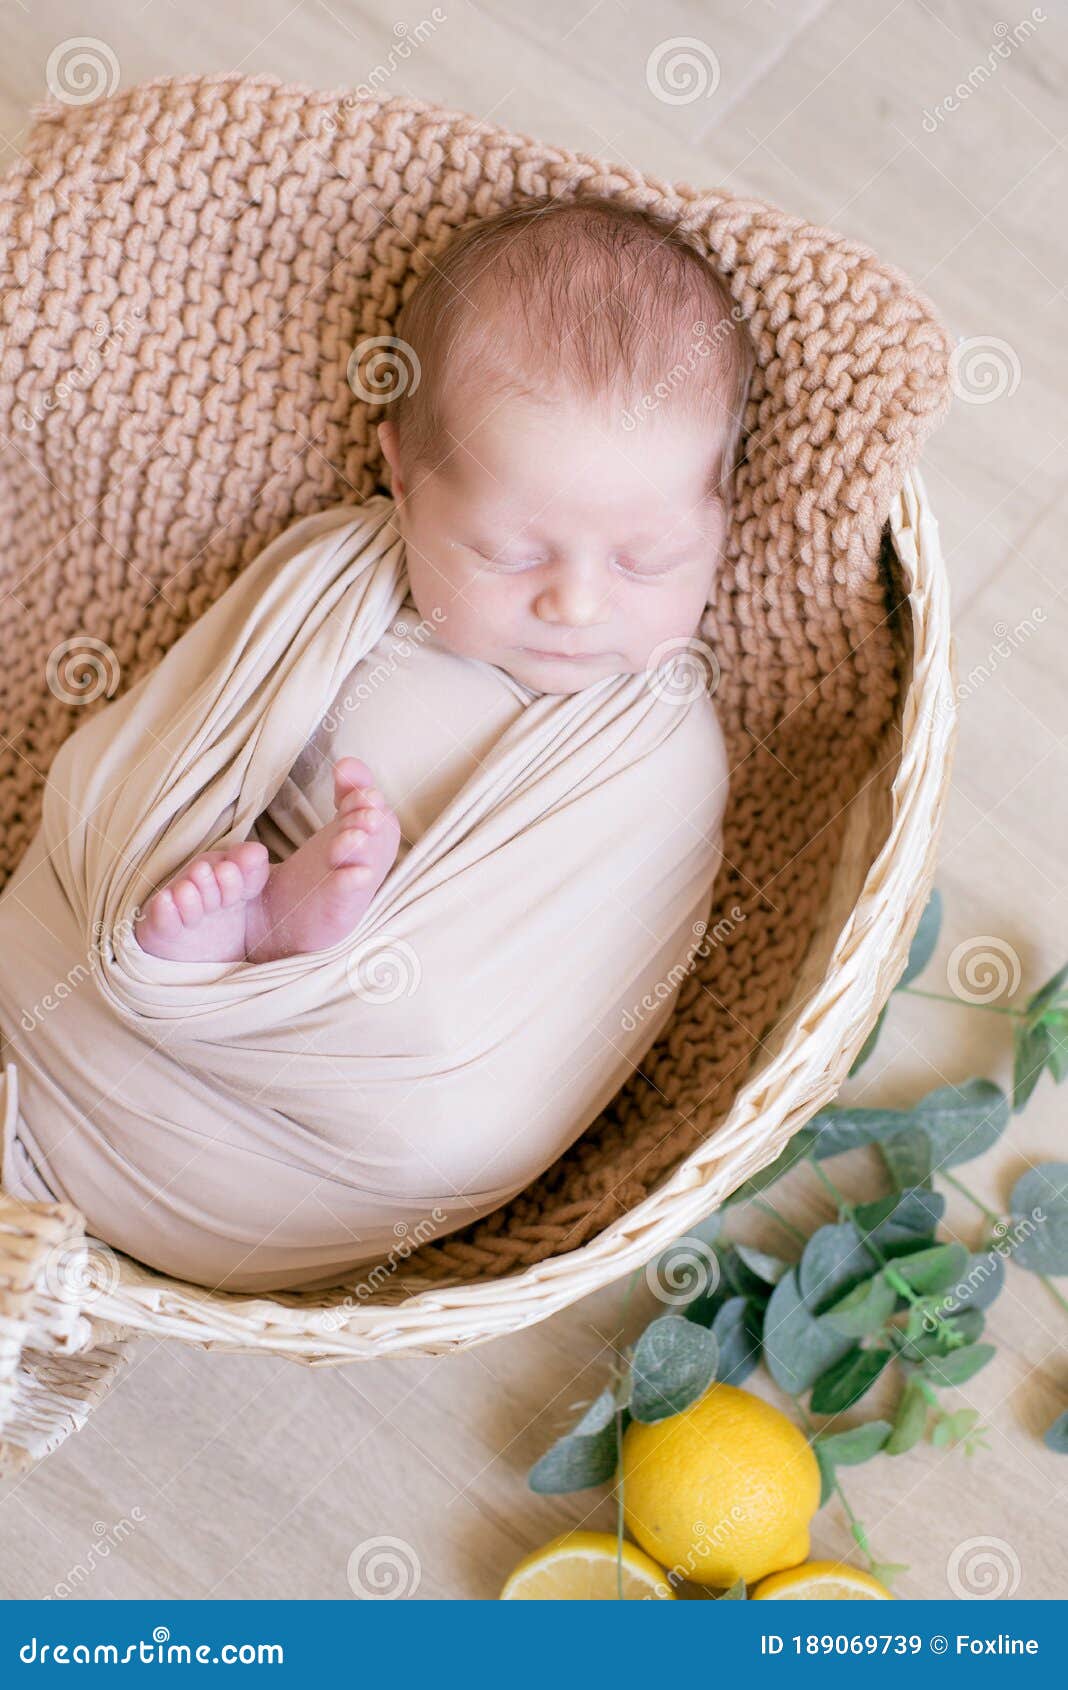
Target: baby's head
(562, 464)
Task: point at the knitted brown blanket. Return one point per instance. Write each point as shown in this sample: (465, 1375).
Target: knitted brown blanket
(188, 266)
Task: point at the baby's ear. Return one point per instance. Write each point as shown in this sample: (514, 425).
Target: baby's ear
(387, 439)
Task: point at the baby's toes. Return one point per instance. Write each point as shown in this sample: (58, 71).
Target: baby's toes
(231, 883)
(162, 914)
(347, 846)
(188, 900)
(255, 866)
(202, 874)
(350, 775)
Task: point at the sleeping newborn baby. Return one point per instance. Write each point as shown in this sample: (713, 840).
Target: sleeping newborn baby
(562, 518)
(518, 809)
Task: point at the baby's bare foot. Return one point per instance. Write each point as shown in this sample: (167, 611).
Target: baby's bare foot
(317, 895)
(200, 916)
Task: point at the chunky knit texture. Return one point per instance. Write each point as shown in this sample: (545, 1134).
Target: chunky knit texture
(188, 266)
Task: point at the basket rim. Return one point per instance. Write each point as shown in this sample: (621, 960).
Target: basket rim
(864, 964)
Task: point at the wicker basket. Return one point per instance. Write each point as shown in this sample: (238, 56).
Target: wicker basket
(799, 985)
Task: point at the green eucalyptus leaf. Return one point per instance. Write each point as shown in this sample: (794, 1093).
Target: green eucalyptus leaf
(674, 1363)
(980, 1283)
(869, 1043)
(1038, 1230)
(838, 1128)
(1031, 1051)
(865, 1309)
(924, 940)
(943, 1338)
(739, 1277)
(737, 1331)
(736, 1593)
(910, 1421)
(768, 1269)
(907, 1155)
(959, 1365)
(848, 1379)
(935, 1269)
(597, 1416)
(833, 1259)
(962, 1121)
(1057, 1436)
(1057, 1059)
(1056, 987)
(894, 1224)
(797, 1347)
(858, 1444)
(827, 1473)
(575, 1464)
(798, 1147)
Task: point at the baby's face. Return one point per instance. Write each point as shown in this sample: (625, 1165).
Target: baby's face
(558, 544)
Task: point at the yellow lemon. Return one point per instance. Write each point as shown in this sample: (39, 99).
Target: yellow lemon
(822, 1581)
(725, 1490)
(582, 1567)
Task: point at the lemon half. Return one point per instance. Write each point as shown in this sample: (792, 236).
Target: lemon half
(822, 1581)
(582, 1567)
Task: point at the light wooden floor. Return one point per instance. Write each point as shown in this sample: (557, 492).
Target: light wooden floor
(240, 1477)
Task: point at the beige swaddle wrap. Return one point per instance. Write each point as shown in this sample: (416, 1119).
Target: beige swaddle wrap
(269, 1125)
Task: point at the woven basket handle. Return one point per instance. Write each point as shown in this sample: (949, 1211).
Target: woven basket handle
(56, 1362)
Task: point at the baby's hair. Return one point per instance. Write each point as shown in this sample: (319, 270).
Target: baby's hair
(585, 295)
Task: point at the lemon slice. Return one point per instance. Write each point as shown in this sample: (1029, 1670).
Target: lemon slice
(582, 1567)
(822, 1581)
